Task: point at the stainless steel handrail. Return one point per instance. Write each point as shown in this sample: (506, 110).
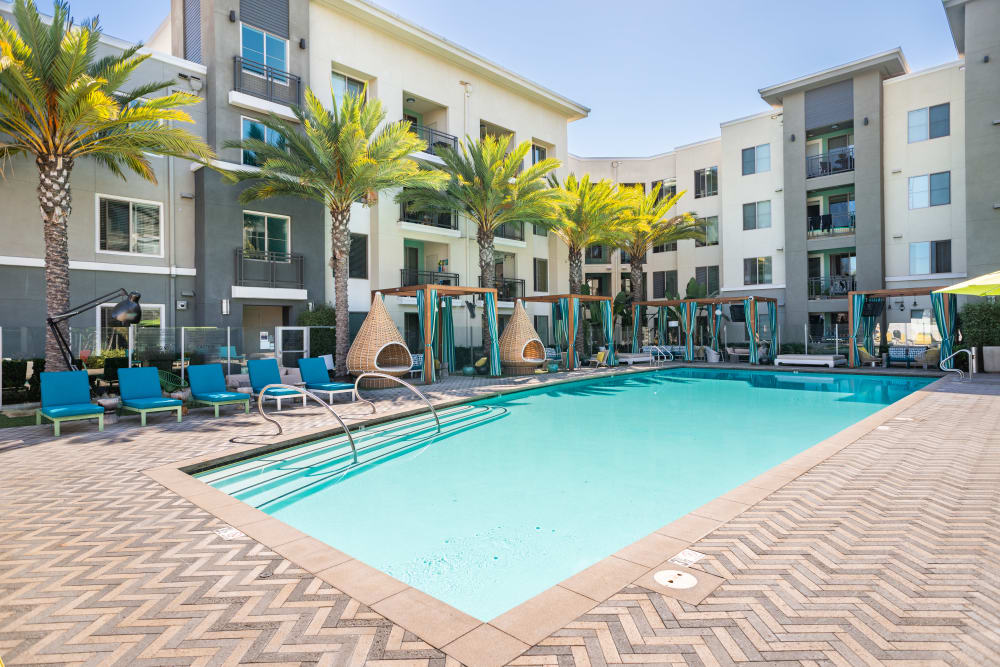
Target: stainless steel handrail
(402, 382)
(350, 438)
(961, 374)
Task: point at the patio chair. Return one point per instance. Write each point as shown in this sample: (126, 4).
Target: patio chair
(141, 392)
(208, 387)
(264, 372)
(66, 397)
(598, 359)
(317, 379)
(418, 365)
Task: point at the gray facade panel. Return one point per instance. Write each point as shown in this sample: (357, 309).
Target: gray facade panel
(869, 219)
(192, 30)
(829, 104)
(796, 264)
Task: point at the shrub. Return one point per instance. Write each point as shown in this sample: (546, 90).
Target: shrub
(321, 341)
(980, 323)
(15, 373)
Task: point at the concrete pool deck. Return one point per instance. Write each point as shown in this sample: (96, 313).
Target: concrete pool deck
(874, 546)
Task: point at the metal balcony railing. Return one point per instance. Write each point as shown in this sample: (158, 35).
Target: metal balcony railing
(435, 138)
(833, 162)
(830, 287)
(508, 289)
(439, 220)
(265, 82)
(255, 268)
(409, 277)
(513, 231)
(830, 224)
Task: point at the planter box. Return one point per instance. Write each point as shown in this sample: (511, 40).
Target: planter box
(991, 358)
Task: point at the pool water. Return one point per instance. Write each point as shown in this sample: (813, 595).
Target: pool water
(524, 490)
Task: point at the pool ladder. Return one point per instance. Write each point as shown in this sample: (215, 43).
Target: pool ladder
(961, 374)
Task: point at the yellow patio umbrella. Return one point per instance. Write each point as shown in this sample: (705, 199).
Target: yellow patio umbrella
(985, 285)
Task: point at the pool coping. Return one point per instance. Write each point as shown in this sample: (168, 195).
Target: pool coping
(508, 635)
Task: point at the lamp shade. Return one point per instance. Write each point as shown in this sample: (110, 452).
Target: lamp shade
(128, 311)
(472, 308)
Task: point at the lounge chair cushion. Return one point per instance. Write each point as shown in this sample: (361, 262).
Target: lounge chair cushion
(330, 386)
(313, 371)
(62, 411)
(278, 391)
(151, 403)
(206, 379)
(65, 388)
(137, 383)
(264, 372)
(481, 362)
(220, 396)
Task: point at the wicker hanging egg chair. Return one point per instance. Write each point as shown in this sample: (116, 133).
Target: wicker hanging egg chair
(521, 350)
(379, 348)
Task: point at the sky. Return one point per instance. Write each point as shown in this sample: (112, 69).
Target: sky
(655, 73)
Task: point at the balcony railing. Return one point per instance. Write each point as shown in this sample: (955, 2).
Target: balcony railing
(830, 287)
(435, 139)
(834, 162)
(439, 220)
(830, 224)
(409, 277)
(265, 82)
(508, 289)
(513, 231)
(255, 268)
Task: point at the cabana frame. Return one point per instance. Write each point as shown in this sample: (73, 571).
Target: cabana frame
(884, 294)
(570, 322)
(442, 291)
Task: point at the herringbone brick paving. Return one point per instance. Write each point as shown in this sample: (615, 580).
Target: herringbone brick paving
(886, 553)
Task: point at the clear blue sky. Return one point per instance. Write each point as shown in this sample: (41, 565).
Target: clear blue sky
(655, 73)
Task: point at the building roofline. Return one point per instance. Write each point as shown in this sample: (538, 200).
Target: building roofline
(383, 19)
(954, 10)
(954, 64)
(612, 158)
(773, 113)
(889, 63)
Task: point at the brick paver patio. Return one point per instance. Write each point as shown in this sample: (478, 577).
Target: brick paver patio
(886, 553)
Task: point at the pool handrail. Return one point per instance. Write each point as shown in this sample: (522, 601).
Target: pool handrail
(402, 382)
(961, 374)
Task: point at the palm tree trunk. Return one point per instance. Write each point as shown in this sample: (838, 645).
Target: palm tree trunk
(575, 285)
(340, 244)
(55, 201)
(488, 273)
(635, 266)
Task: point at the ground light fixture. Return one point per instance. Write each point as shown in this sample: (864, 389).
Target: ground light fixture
(126, 312)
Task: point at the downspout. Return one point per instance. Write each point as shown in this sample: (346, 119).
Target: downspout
(172, 225)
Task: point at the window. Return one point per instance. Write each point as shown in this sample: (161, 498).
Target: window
(542, 327)
(757, 159)
(625, 284)
(411, 332)
(708, 278)
(930, 257)
(266, 236)
(537, 153)
(113, 335)
(666, 247)
(253, 129)
(757, 215)
(667, 189)
(664, 284)
(711, 227)
(541, 275)
(928, 123)
(539, 230)
(706, 182)
(641, 186)
(597, 254)
(264, 49)
(129, 226)
(342, 84)
(930, 190)
(358, 264)
(757, 271)
(626, 258)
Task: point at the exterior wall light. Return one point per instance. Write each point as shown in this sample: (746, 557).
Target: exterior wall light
(232, 16)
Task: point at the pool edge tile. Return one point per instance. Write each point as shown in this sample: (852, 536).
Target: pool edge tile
(651, 549)
(485, 646)
(434, 621)
(604, 578)
(361, 581)
(536, 618)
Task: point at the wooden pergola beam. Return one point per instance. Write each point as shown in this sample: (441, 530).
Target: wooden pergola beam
(704, 301)
(552, 298)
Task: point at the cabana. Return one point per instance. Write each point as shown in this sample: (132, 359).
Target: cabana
(437, 324)
(865, 307)
(566, 308)
(689, 312)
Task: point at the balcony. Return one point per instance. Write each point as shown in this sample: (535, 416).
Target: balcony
(836, 161)
(508, 289)
(267, 83)
(513, 231)
(408, 277)
(435, 138)
(439, 220)
(256, 268)
(830, 287)
(830, 224)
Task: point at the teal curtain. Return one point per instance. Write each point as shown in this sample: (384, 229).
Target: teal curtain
(428, 345)
(662, 320)
(491, 321)
(868, 327)
(448, 334)
(689, 313)
(638, 316)
(576, 325)
(608, 322)
(772, 319)
(558, 327)
(946, 324)
(750, 316)
(858, 304)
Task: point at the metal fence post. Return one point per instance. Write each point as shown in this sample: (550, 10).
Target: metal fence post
(836, 338)
(229, 354)
(182, 355)
(131, 327)
(1, 368)
(805, 329)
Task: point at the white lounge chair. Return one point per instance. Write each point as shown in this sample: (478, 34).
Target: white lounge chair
(828, 360)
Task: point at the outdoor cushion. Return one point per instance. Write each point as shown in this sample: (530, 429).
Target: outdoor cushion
(481, 362)
(220, 396)
(262, 373)
(330, 386)
(136, 383)
(150, 403)
(60, 411)
(313, 371)
(206, 378)
(65, 388)
(278, 391)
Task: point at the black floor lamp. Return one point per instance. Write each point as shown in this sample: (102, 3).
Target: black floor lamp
(126, 312)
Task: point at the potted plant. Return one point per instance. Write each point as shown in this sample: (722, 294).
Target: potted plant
(980, 326)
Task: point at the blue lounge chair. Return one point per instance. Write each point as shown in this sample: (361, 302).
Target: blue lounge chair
(264, 372)
(208, 387)
(315, 375)
(66, 397)
(140, 391)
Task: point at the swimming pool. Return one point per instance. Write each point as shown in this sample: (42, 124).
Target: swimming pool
(523, 490)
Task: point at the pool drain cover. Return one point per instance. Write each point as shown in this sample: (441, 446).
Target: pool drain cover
(675, 579)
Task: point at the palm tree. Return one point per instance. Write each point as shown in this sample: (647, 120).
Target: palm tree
(645, 223)
(587, 216)
(337, 157)
(58, 103)
(491, 188)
